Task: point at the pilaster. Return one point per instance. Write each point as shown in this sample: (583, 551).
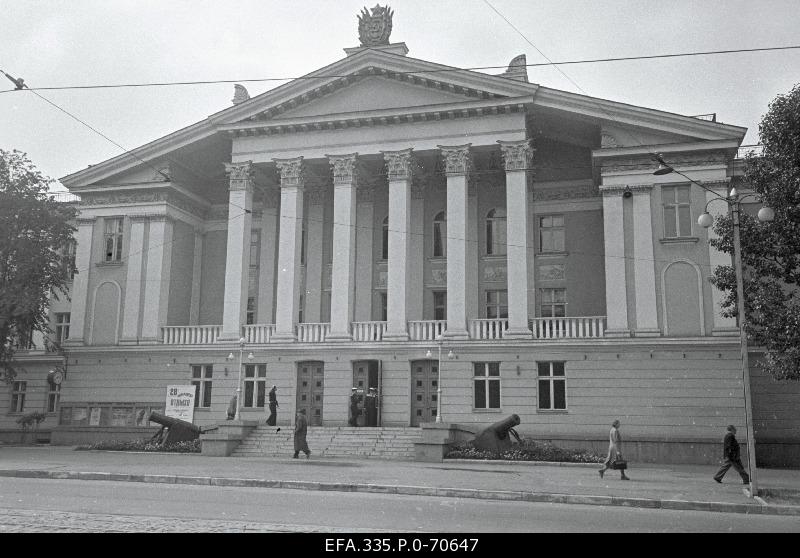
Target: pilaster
(80, 283)
(197, 277)
(133, 282)
(644, 263)
(614, 257)
(157, 278)
(722, 326)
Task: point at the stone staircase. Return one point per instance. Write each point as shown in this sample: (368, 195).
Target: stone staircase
(334, 441)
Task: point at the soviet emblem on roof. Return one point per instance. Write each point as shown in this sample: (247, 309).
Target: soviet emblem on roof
(374, 30)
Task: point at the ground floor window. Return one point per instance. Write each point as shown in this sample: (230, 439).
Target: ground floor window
(53, 395)
(486, 383)
(552, 386)
(255, 385)
(201, 380)
(18, 396)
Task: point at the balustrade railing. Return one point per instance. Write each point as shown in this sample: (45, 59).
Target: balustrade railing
(568, 328)
(489, 328)
(190, 335)
(426, 330)
(258, 333)
(313, 332)
(368, 331)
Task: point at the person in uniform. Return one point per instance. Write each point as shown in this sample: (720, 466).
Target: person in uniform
(354, 407)
(371, 407)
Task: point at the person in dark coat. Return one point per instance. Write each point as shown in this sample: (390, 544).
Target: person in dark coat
(300, 429)
(731, 457)
(614, 451)
(273, 407)
(354, 408)
(371, 408)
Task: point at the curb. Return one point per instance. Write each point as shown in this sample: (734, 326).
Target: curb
(525, 463)
(520, 496)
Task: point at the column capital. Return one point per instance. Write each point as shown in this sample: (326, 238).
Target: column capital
(400, 164)
(346, 169)
(240, 175)
(292, 172)
(517, 155)
(457, 159)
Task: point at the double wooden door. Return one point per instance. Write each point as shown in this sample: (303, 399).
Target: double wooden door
(311, 390)
(424, 383)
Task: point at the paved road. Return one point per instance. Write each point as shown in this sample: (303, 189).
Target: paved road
(44, 505)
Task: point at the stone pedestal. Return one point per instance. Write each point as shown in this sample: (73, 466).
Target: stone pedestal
(226, 438)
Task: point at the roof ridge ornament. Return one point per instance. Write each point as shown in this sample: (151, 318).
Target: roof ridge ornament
(240, 94)
(517, 69)
(374, 30)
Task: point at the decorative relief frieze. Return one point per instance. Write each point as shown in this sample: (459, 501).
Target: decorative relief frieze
(552, 272)
(400, 165)
(495, 272)
(608, 141)
(457, 158)
(118, 198)
(316, 195)
(646, 162)
(86, 221)
(439, 276)
(517, 155)
(240, 175)
(292, 172)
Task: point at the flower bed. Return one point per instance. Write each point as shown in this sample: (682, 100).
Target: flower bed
(526, 450)
(190, 446)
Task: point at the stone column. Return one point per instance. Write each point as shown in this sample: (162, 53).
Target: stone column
(364, 263)
(197, 277)
(345, 184)
(79, 293)
(237, 258)
(314, 242)
(400, 166)
(644, 263)
(133, 282)
(156, 294)
(517, 156)
(289, 246)
(266, 270)
(473, 293)
(458, 164)
(614, 246)
(722, 325)
(416, 251)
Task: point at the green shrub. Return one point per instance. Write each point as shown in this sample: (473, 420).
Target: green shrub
(144, 444)
(526, 450)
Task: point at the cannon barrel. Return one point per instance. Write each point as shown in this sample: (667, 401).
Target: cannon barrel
(501, 427)
(495, 436)
(170, 422)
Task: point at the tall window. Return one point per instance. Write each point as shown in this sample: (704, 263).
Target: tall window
(202, 375)
(486, 382)
(53, 396)
(551, 233)
(440, 235)
(554, 303)
(62, 327)
(384, 307)
(496, 304)
(250, 317)
(552, 386)
(385, 239)
(113, 239)
(496, 232)
(255, 385)
(439, 305)
(18, 396)
(301, 304)
(677, 211)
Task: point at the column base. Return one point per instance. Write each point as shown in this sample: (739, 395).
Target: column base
(518, 333)
(725, 332)
(339, 337)
(617, 333)
(647, 332)
(395, 336)
(456, 334)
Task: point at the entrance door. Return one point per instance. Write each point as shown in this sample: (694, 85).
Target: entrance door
(424, 382)
(310, 390)
(366, 375)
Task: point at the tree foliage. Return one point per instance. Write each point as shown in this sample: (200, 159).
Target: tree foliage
(770, 251)
(34, 231)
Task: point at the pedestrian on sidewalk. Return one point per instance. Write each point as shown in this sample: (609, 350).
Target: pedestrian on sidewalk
(614, 451)
(273, 407)
(731, 457)
(354, 407)
(300, 429)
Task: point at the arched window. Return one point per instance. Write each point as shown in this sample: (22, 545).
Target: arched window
(385, 237)
(440, 235)
(496, 231)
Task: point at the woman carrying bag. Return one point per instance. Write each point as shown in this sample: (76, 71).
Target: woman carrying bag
(614, 459)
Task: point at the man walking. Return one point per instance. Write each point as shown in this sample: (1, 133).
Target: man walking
(731, 457)
(300, 428)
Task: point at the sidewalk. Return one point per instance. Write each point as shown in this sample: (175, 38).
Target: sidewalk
(652, 486)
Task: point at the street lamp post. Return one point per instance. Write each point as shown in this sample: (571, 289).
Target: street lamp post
(450, 355)
(706, 220)
(250, 356)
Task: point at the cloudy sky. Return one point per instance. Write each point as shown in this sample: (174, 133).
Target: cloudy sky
(87, 42)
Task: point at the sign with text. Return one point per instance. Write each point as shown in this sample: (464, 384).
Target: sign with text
(180, 402)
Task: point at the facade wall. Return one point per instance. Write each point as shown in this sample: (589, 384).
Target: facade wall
(180, 292)
(213, 274)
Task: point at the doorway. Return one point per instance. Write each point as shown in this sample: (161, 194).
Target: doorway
(310, 390)
(424, 383)
(367, 383)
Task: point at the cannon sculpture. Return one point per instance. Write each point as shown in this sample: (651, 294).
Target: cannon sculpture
(176, 430)
(496, 436)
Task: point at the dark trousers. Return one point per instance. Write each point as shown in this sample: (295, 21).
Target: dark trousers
(353, 417)
(273, 414)
(736, 464)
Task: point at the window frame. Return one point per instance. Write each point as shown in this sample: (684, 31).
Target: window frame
(19, 388)
(53, 398)
(496, 246)
(203, 384)
(550, 232)
(552, 304)
(497, 306)
(551, 379)
(385, 239)
(116, 236)
(439, 239)
(440, 306)
(257, 385)
(676, 206)
(488, 379)
(61, 328)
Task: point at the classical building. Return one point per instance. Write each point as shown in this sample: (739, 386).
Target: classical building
(354, 222)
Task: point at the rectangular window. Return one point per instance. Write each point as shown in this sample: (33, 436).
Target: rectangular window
(384, 307)
(250, 317)
(553, 303)
(113, 239)
(486, 382)
(496, 304)
(551, 233)
(255, 385)
(201, 380)
(677, 211)
(552, 386)
(252, 277)
(62, 327)
(439, 305)
(300, 307)
(53, 397)
(18, 396)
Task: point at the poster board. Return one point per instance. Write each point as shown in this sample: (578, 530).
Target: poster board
(180, 402)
